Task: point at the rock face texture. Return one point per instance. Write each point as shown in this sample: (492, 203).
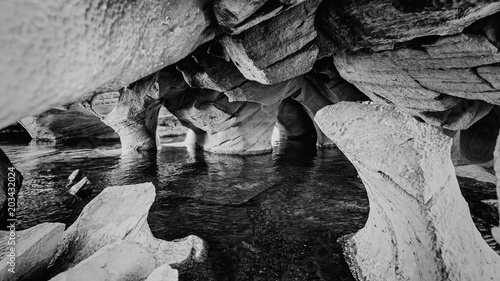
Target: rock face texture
(119, 213)
(282, 48)
(419, 227)
(53, 125)
(35, 248)
(440, 82)
(377, 25)
(11, 182)
(119, 261)
(135, 117)
(107, 46)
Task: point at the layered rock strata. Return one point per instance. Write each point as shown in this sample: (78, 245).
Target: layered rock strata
(419, 226)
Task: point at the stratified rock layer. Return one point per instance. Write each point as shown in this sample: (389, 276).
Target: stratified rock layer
(120, 213)
(46, 61)
(419, 226)
(35, 248)
(278, 49)
(119, 261)
(440, 81)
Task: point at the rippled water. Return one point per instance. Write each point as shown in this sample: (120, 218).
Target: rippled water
(269, 217)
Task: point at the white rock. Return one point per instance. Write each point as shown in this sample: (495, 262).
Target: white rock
(164, 273)
(116, 262)
(34, 248)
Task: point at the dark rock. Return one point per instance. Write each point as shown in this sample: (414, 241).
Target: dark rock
(203, 70)
(376, 25)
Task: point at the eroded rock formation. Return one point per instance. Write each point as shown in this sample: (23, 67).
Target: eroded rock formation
(69, 49)
(419, 227)
(122, 260)
(135, 117)
(53, 125)
(120, 214)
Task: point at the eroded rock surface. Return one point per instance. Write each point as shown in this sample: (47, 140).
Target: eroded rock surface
(107, 46)
(120, 213)
(279, 49)
(122, 260)
(35, 248)
(419, 227)
(495, 231)
(135, 117)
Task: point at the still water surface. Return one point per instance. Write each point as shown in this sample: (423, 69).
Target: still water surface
(268, 217)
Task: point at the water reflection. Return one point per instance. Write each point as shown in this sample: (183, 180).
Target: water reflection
(254, 211)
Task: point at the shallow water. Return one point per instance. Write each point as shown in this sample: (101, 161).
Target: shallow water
(268, 217)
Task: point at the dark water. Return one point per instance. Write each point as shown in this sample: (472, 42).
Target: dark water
(270, 217)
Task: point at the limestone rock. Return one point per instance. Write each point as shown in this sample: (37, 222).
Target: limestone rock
(122, 260)
(53, 125)
(11, 182)
(278, 49)
(164, 273)
(120, 213)
(419, 226)
(376, 25)
(107, 46)
(203, 70)
(35, 247)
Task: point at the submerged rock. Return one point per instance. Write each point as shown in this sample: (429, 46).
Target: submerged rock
(119, 213)
(419, 227)
(80, 184)
(34, 249)
(116, 262)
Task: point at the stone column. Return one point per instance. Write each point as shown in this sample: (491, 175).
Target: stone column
(135, 117)
(419, 226)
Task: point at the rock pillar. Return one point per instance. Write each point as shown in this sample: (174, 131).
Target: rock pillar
(419, 226)
(135, 117)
